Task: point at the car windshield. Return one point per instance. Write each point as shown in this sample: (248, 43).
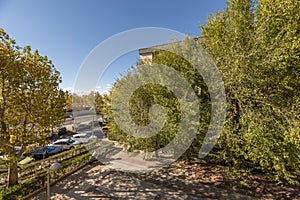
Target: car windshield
(88, 135)
(70, 141)
(48, 148)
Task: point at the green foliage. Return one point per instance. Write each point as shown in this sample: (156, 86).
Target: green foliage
(192, 75)
(152, 94)
(20, 190)
(31, 102)
(80, 102)
(17, 191)
(99, 103)
(141, 102)
(256, 46)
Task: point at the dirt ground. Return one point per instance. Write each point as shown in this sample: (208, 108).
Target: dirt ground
(178, 181)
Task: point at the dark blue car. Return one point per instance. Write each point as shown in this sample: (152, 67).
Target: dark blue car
(45, 152)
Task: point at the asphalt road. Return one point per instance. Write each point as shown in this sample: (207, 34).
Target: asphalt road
(83, 119)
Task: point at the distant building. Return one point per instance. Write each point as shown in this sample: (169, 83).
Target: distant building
(147, 54)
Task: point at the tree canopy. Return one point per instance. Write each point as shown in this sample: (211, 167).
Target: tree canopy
(31, 103)
(256, 47)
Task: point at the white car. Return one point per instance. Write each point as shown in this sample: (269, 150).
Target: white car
(65, 144)
(83, 137)
(80, 127)
(96, 134)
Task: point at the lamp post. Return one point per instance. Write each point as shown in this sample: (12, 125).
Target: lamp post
(198, 89)
(93, 126)
(55, 166)
(93, 157)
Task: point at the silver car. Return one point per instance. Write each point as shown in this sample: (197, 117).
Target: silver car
(65, 144)
(82, 137)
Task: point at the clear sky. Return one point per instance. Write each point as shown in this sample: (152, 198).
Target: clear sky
(68, 30)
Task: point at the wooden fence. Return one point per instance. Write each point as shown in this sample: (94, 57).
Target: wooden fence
(39, 168)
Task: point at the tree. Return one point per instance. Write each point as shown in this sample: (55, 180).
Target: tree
(180, 58)
(31, 104)
(173, 102)
(69, 105)
(256, 46)
(99, 103)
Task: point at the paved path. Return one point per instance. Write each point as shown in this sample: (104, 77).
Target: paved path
(116, 158)
(118, 179)
(98, 182)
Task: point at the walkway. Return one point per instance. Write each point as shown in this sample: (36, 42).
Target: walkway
(123, 175)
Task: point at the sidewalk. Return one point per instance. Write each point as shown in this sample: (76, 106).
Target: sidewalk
(122, 175)
(98, 182)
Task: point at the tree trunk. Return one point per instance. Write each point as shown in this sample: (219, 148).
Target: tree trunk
(156, 148)
(12, 173)
(237, 114)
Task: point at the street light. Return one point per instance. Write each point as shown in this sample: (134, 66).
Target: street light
(93, 157)
(198, 89)
(55, 166)
(93, 126)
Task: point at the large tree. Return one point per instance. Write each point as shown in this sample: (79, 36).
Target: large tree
(175, 100)
(99, 103)
(256, 46)
(31, 103)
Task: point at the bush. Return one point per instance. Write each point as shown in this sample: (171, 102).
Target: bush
(19, 190)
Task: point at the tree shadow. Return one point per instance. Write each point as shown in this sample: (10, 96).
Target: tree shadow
(94, 183)
(178, 181)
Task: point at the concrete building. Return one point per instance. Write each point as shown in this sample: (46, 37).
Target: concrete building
(147, 54)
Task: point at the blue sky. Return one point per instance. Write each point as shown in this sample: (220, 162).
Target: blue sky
(68, 30)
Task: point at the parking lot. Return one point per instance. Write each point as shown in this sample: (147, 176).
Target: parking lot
(65, 139)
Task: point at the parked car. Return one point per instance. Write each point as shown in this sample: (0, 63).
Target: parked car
(69, 116)
(65, 144)
(62, 130)
(94, 123)
(105, 129)
(45, 152)
(2, 156)
(53, 137)
(80, 127)
(26, 160)
(82, 137)
(22, 161)
(96, 134)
